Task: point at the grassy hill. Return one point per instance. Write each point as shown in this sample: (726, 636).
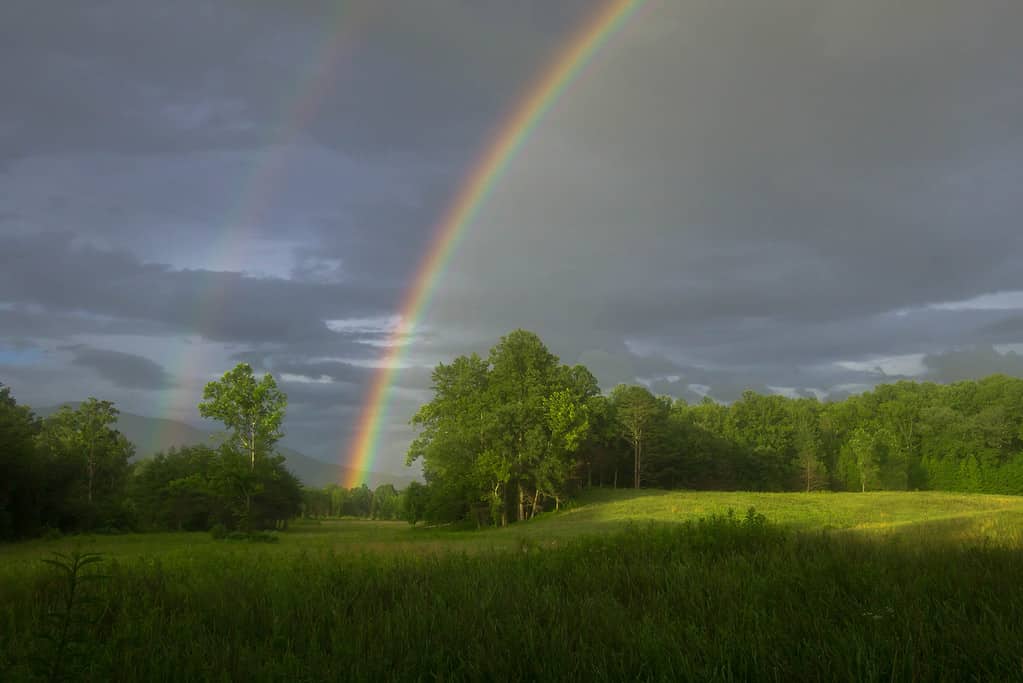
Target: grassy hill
(152, 435)
(925, 514)
(872, 511)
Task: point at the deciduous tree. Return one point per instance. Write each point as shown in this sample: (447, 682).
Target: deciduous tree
(252, 410)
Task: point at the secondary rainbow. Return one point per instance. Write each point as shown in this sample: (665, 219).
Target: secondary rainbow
(323, 70)
(485, 173)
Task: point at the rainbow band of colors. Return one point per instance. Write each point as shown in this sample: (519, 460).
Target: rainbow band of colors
(485, 173)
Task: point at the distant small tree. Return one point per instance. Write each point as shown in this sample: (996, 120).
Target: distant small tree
(413, 502)
(637, 411)
(863, 445)
(385, 502)
(252, 410)
(807, 442)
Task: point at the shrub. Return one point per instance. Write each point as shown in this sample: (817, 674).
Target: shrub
(263, 537)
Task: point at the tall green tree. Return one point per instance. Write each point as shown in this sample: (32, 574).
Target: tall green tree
(638, 413)
(87, 433)
(252, 410)
(87, 462)
(455, 434)
(807, 442)
(864, 446)
(21, 474)
(524, 375)
(502, 432)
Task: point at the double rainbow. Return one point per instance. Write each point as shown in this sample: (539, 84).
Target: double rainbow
(479, 183)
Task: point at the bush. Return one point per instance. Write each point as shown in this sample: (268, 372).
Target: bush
(263, 537)
(218, 532)
(254, 537)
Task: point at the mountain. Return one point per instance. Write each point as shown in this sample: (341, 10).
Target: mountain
(153, 434)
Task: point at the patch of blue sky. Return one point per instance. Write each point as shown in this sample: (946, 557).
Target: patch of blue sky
(19, 357)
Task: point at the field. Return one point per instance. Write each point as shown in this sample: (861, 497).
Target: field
(623, 585)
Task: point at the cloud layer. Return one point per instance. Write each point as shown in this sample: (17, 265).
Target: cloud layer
(806, 197)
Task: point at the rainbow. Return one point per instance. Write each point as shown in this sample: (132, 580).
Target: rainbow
(323, 69)
(488, 169)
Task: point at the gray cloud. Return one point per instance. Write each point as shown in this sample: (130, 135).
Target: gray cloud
(51, 271)
(125, 370)
(730, 195)
(745, 185)
(231, 74)
(973, 362)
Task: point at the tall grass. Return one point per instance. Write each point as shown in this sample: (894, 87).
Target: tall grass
(722, 598)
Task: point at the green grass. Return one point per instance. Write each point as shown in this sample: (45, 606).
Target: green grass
(625, 585)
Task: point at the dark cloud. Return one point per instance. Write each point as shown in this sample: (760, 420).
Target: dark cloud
(971, 363)
(51, 271)
(21, 322)
(125, 370)
(127, 77)
(1007, 328)
(731, 195)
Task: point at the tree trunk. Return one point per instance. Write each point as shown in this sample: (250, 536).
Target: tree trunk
(92, 468)
(522, 504)
(636, 464)
(252, 446)
(616, 479)
(536, 499)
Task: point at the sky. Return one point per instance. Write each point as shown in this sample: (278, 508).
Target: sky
(805, 197)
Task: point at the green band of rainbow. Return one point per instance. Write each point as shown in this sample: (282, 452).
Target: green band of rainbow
(474, 191)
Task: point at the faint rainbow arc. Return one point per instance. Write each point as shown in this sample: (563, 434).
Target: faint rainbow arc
(296, 113)
(473, 192)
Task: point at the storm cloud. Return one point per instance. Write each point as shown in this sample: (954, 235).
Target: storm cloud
(798, 197)
(124, 370)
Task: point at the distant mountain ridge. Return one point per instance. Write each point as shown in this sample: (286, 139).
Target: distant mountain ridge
(152, 435)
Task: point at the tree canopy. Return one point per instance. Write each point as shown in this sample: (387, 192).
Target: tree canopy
(252, 410)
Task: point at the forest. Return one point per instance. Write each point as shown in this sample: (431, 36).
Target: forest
(517, 433)
(504, 438)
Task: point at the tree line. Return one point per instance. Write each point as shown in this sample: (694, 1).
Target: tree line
(504, 438)
(516, 433)
(71, 472)
(384, 502)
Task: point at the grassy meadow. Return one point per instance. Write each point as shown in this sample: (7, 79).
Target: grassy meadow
(646, 585)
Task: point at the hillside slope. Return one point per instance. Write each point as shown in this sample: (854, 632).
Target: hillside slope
(598, 510)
